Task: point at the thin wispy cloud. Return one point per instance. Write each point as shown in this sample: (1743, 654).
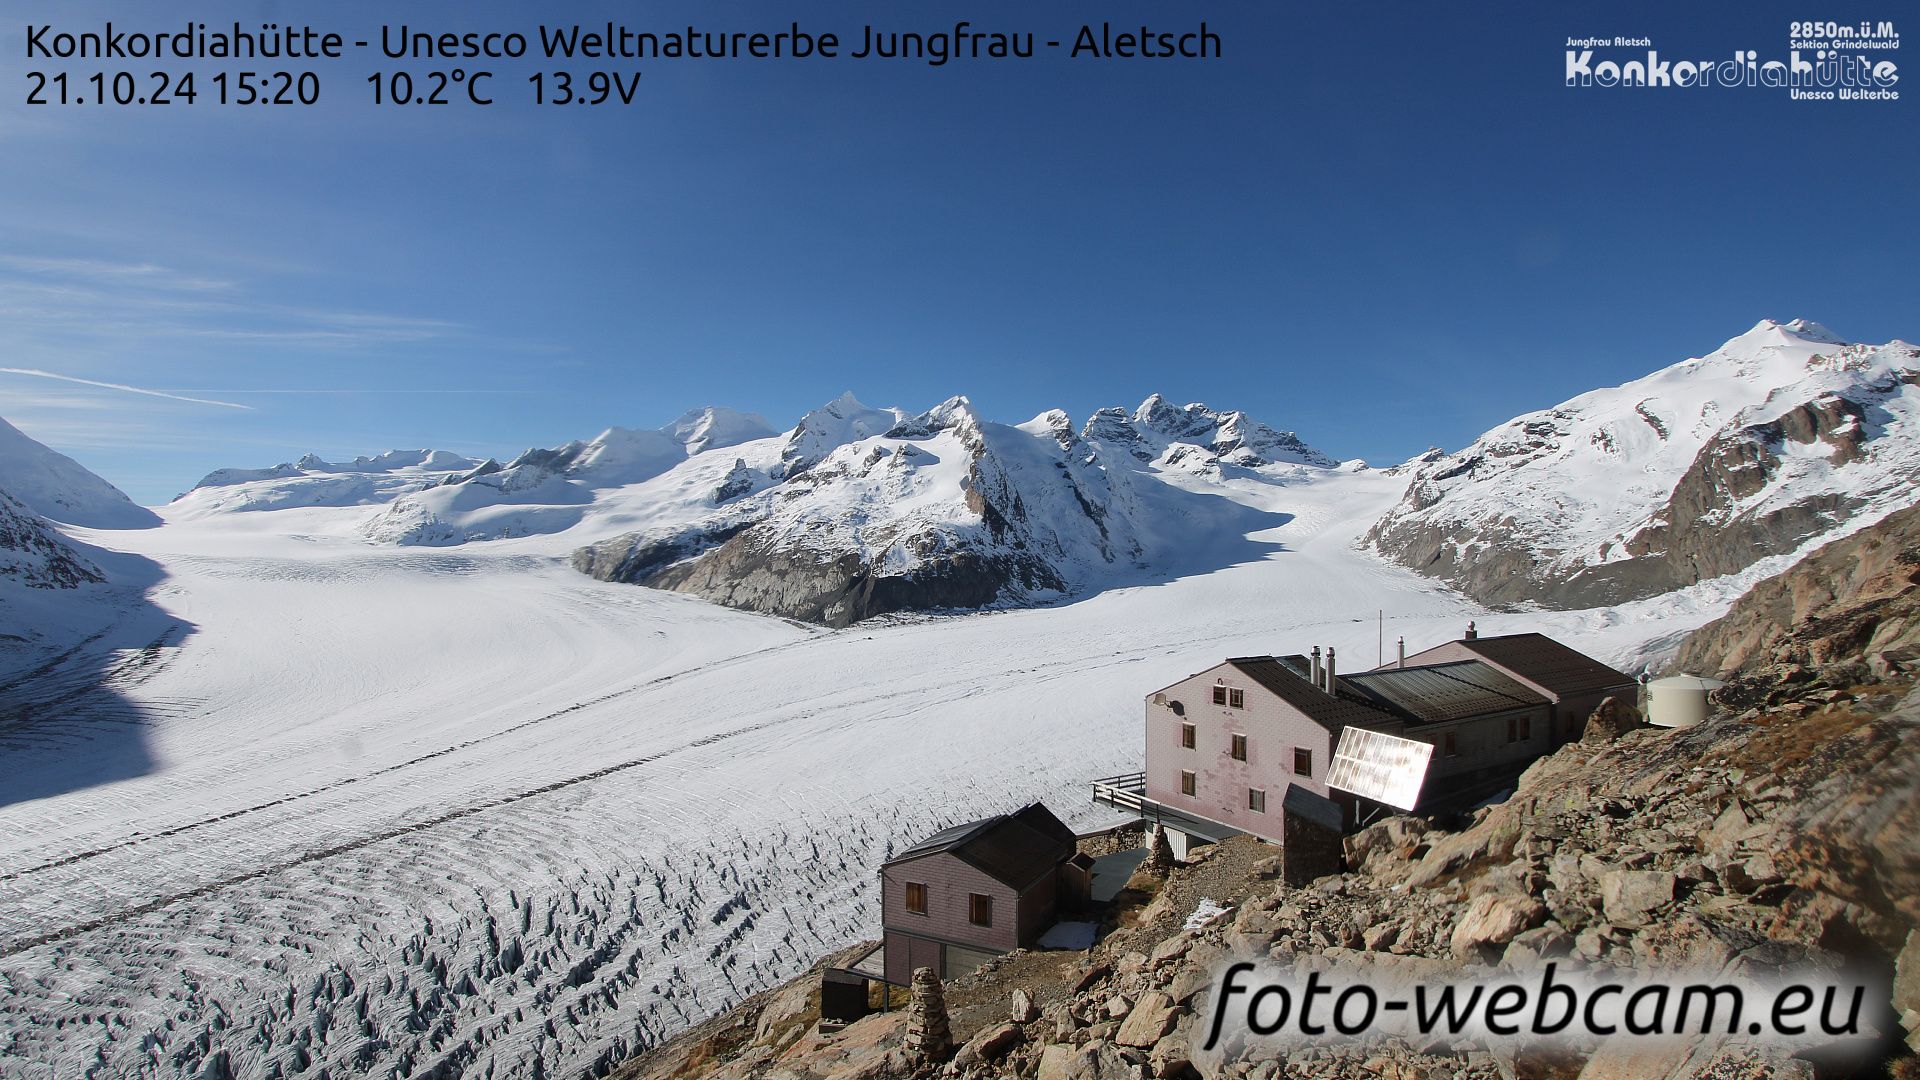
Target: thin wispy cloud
(39, 374)
(119, 302)
(101, 270)
(438, 391)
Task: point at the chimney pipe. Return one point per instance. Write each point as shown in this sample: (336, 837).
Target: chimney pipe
(1402, 662)
(1472, 631)
(1316, 666)
(1333, 685)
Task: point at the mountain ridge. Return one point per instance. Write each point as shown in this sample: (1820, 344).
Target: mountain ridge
(1784, 435)
(1694, 471)
(58, 488)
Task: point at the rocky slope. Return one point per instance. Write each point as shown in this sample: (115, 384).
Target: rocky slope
(1778, 837)
(1780, 437)
(33, 555)
(1850, 611)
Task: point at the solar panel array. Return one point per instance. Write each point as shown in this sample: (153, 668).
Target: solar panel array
(1381, 767)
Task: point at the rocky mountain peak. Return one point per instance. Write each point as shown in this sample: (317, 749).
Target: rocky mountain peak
(840, 421)
(1149, 430)
(1693, 472)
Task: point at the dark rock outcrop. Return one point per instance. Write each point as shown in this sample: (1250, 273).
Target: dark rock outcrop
(33, 554)
(1849, 611)
(751, 572)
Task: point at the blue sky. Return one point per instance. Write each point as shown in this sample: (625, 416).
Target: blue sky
(1382, 225)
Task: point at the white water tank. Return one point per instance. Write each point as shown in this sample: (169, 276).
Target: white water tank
(1679, 701)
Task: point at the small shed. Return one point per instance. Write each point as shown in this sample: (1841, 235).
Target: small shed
(972, 892)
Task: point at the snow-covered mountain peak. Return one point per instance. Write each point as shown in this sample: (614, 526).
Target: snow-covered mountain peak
(1800, 339)
(1149, 430)
(315, 481)
(1778, 436)
(1800, 329)
(1053, 424)
(1153, 408)
(956, 414)
(56, 487)
(838, 422)
(404, 465)
(713, 427)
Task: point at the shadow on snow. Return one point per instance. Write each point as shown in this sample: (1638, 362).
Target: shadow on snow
(67, 721)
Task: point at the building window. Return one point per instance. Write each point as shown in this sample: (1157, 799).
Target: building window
(1302, 761)
(1219, 695)
(1239, 747)
(1236, 699)
(1189, 784)
(1256, 800)
(1526, 728)
(1450, 745)
(1187, 736)
(980, 909)
(916, 898)
(1513, 729)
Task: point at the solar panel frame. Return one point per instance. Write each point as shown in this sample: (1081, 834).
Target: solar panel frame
(1385, 768)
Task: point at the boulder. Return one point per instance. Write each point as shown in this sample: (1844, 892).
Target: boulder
(1094, 1061)
(1495, 919)
(1171, 1058)
(1906, 976)
(989, 1044)
(1452, 853)
(1395, 838)
(1024, 1010)
(1192, 980)
(1172, 948)
(1611, 720)
(1150, 1019)
(1090, 977)
(1530, 949)
(1630, 896)
(1380, 936)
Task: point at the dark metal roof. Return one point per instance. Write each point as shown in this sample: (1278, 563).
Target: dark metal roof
(1296, 663)
(1322, 708)
(1547, 663)
(1041, 820)
(1439, 692)
(1313, 806)
(1015, 849)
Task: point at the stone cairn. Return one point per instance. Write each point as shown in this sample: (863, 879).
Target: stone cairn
(929, 1039)
(1159, 853)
